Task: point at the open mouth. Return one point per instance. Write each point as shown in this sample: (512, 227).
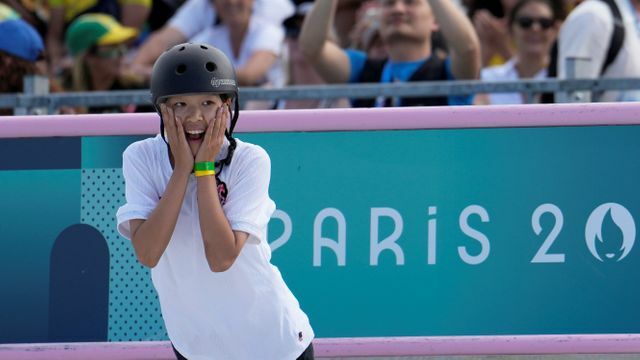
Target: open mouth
(194, 135)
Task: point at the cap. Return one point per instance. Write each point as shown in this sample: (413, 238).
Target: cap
(96, 29)
(20, 39)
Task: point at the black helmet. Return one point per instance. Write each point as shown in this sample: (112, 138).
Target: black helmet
(194, 68)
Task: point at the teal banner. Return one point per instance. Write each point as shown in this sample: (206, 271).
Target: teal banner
(382, 233)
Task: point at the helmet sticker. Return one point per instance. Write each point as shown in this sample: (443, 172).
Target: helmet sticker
(215, 82)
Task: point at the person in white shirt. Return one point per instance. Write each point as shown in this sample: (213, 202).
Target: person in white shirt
(587, 34)
(533, 25)
(253, 44)
(193, 17)
(196, 212)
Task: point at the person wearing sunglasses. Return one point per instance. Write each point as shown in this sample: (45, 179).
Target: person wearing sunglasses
(533, 26)
(97, 43)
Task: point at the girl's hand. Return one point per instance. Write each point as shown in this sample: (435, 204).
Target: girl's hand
(214, 136)
(182, 155)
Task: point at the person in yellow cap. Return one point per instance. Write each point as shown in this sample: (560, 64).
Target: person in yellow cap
(62, 13)
(92, 30)
(97, 43)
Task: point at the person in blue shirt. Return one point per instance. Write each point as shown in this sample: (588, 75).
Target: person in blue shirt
(406, 27)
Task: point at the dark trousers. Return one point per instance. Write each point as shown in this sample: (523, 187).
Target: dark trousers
(306, 355)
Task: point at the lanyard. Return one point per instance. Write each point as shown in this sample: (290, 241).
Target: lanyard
(387, 77)
(404, 72)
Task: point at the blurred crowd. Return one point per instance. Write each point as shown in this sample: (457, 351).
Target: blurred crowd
(101, 45)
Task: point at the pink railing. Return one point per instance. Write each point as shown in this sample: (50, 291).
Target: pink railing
(354, 347)
(339, 119)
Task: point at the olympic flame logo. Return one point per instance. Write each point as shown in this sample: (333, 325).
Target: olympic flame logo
(610, 232)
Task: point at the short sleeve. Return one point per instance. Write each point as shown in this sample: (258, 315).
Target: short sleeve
(249, 207)
(141, 196)
(193, 17)
(356, 60)
(266, 37)
(585, 34)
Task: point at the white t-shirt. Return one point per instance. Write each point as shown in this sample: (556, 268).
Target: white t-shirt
(196, 15)
(246, 312)
(587, 33)
(261, 35)
(506, 72)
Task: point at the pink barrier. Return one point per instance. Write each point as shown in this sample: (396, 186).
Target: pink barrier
(347, 120)
(355, 347)
(480, 345)
(339, 119)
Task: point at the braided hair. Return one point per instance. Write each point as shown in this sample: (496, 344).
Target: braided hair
(229, 135)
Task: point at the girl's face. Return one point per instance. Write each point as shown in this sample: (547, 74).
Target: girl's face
(534, 29)
(196, 112)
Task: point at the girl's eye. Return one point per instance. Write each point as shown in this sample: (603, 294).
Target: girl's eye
(178, 104)
(208, 103)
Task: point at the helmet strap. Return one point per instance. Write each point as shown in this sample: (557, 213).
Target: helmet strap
(236, 113)
(161, 124)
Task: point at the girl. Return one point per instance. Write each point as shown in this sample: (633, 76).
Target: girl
(197, 212)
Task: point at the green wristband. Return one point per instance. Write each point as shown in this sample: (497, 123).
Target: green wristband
(204, 166)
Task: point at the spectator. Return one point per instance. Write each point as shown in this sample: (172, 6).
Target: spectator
(365, 34)
(21, 47)
(253, 44)
(298, 71)
(97, 43)
(587, 33)
(533, 26)
(406, 27)
(131, 13)
(490, 20)
(191, 19)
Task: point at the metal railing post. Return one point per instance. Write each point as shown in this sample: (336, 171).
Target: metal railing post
(33, 85)
(576, 68)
